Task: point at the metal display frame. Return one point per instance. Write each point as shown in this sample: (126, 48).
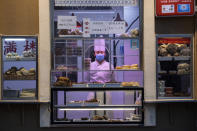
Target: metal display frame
(191, 66)
(36, 61)
(53, 89)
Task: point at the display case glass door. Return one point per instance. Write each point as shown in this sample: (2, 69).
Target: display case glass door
(19, 67)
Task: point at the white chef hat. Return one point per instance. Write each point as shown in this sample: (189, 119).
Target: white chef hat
(99, 45)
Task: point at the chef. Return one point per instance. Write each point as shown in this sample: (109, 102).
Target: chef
(100, 64)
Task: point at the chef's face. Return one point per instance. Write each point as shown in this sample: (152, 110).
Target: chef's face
(99, 52)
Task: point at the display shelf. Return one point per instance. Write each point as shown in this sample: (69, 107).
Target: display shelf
(176, 58)
(169, 100)
(92, 70)
(21, 101)
(15, 77)
(92, 38)
(162, 73)
(68, 56)
(19, 60)
(95, 88)
(98, 106)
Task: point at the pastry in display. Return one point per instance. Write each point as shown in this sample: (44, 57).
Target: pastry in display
(69, 32)
(63, 81)
(13, 56)
(130, 84)
(97, 117)
(185, 52)
(133, 33)
(84, 118)
(21, 73)
(92, 100)
(174, 49)
(183, 68)
(171, 48)
(128, 67)
(61, 67)
(29, 53)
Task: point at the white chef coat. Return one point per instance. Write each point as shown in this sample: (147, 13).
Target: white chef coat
(101, 76)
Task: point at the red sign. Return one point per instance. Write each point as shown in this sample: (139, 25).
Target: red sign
(174, 7)
(174, 40)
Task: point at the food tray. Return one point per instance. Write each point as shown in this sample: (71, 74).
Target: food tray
(95, 85)
(15, 77)
(75, 104)
(164, 58)
(183, 58)
(91, 103)
(79, 120)
(112, 84)
(79, 85)
(70, 35)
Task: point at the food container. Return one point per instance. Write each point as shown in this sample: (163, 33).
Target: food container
(11, 93)
(95, 85)
(112, 84)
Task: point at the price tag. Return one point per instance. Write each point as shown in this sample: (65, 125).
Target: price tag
(66, 22)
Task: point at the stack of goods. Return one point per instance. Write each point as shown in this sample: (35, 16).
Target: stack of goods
(20, 74)
(14, 56)
(133, 33)
(97, 117)
(130, 84)
(169, 91)
(74, 51)
(87, 63)
(161, 86)
(183, 68)
(173, 50)
(91, 100)
(29, 53)
(64, 68)
(63, 81)
(128, 67)
(59, 51)
(27, 93)
(69, 32)
(61, 67)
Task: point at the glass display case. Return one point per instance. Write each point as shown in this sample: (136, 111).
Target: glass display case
(97, 74)
(174, 66)
(19, 67)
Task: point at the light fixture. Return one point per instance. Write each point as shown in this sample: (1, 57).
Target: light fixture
(96, 109)
(14, 39)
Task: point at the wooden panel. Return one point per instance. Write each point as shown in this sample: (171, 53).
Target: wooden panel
(19, 17)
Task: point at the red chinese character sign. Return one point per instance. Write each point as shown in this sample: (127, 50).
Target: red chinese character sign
(174, 7)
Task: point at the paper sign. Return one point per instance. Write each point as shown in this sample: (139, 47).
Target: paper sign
(66, 22)
(99, 27)
(116, 27)
(86, 27)
(174, 7)
(107, 27)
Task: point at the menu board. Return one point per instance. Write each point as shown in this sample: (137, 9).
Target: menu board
(174, 7)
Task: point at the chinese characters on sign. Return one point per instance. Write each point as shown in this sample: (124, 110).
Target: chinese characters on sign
(30, 46)
(12, 46)
(174, 7)
(107, 27)
(66, 22)
(96, 2)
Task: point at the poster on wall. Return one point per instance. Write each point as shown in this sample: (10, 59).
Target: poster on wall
(174, 7)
